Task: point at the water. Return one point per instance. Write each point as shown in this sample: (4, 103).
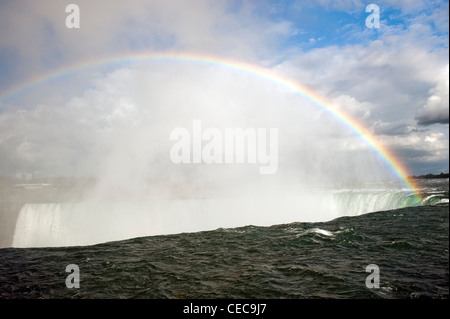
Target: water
(77, 223)
(291, 260)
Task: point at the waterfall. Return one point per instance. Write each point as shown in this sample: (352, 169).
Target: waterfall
(87, 223)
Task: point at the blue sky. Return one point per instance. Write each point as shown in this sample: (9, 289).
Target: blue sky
(394, 79)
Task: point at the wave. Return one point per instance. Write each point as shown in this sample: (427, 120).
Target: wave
(436, 199)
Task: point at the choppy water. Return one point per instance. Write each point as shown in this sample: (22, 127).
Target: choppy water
(296, 260)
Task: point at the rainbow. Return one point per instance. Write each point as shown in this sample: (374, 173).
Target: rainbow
(396, 166)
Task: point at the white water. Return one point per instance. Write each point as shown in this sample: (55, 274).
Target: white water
(356, 203)
(74, 224)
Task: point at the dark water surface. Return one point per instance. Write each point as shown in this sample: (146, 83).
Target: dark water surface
(297, 260)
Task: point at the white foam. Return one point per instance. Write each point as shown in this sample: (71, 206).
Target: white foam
(322, 232)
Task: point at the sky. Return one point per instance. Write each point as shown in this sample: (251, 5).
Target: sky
(393, 78)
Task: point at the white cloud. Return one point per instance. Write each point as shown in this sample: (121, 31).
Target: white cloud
(342, 5)
(407, 6)
(109, 28)
(388, 74)
(436, 109)
(434, 137)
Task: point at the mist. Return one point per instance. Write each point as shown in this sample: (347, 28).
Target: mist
(125, 122)
(132, 140)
